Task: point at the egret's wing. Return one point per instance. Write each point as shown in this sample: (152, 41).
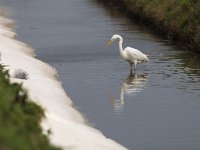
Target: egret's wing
(135, 54)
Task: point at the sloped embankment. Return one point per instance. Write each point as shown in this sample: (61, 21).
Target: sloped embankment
(19, 119)
(67, 126)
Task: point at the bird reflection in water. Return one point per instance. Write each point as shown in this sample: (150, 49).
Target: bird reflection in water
(134, 84)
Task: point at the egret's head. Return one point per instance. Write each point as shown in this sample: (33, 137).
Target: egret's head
(114, 37)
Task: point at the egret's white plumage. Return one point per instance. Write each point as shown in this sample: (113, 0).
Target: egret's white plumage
(132, 55)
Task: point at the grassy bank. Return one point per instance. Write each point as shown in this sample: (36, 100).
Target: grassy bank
(177, 20)
(19, 119)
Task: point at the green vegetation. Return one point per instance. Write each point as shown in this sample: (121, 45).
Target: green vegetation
(19, 119)
(178, 20)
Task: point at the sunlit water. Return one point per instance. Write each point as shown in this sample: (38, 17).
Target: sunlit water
(157, 108)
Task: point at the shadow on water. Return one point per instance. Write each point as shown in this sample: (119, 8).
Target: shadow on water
(128, 24)
(191, 62)
(132, 85)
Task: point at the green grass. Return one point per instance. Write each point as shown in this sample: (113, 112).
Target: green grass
(20, 119)
(178, 20)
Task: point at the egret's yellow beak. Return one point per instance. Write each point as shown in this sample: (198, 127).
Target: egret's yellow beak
(109, 43)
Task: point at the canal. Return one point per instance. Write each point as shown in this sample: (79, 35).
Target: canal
(157, 108)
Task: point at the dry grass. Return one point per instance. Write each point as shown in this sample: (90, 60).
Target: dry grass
(178, 20)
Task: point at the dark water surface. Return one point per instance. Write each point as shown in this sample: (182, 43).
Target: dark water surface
(158, 108)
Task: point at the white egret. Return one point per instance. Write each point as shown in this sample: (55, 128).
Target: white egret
(132, 55)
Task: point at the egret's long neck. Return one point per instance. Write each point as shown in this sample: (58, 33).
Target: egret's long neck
(122, 53)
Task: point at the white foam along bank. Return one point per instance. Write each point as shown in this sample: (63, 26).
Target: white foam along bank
(68, 126)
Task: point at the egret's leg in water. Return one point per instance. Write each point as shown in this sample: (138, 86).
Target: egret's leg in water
(134, 64)
(131, 71)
